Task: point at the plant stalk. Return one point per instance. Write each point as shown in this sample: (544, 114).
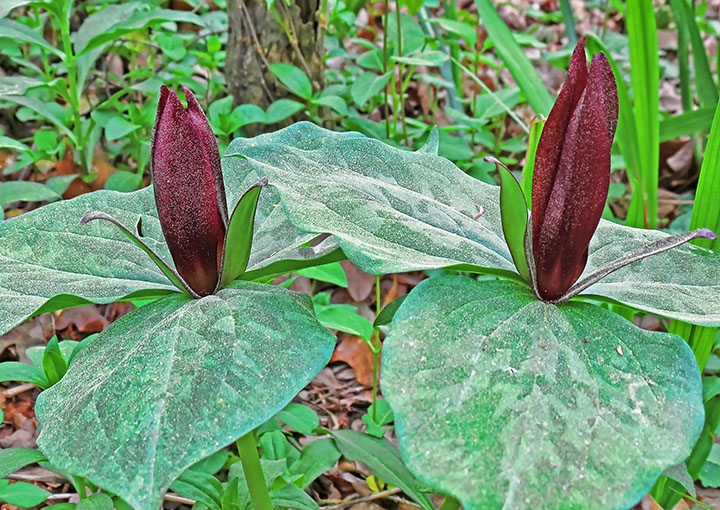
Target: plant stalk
(259, 494)
(376, 349)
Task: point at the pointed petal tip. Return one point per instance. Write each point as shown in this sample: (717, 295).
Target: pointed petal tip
(262, 182)
(706, 234)
(95, 215)
(495, 161)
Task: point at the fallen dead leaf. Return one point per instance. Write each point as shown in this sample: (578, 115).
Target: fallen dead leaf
(355, 352)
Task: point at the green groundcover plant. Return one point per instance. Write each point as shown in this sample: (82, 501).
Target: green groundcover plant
(522, 392)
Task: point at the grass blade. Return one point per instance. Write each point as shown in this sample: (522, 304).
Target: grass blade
(645, 78)
(512, 55)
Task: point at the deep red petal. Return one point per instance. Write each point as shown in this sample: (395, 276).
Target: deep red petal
(210, 148)
(580, 188)
(186, 196)
(552, 138)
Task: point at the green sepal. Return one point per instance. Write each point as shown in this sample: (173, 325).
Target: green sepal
(238, 240)
(514, 214)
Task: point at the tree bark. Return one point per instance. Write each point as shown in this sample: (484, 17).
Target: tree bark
(256, 40)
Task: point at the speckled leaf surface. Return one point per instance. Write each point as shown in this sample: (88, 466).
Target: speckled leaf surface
(683, 283)
(393, 210)
(390, 210)
(176, 380)
(510, 403)
(46, 252)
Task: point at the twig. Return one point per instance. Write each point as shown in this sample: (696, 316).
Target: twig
(17, 390)
(61, 496)
(294, 41)
(258, 49)
(174, 498)
(354, 501)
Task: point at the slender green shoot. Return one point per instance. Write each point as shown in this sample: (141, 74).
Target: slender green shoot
(259, 494)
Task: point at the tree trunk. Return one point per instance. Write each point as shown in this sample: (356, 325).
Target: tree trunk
(256, 40)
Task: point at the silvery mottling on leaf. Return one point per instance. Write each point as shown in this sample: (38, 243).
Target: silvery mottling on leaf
(208, 249)
(570, 186)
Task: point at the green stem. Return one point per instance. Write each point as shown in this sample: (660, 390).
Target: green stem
(80, 486)
(385, 66)
(247, 449)
(73, 96)
(450, 503)
(376, 349)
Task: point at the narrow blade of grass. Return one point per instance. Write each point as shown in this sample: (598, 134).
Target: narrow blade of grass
(512, 55)
(569, 21)
(683, 55)
(686, 124)
(645, 78)
(685, 18)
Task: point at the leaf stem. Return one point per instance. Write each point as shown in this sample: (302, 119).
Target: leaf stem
(247, 449)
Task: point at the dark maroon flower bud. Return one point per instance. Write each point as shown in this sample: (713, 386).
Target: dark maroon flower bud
(189, 191)
(572, 173)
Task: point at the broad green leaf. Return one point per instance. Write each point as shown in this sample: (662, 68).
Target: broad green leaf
(48, 261)
(19, 32)
(176, 380)
(119, 127)
(22, 372)
(291, 496)
(300, 417)
(535, 405)
(315, 459)
(96, 34)
(710, 473)
(368, 85)
(281, 110)
(122, 180)
(383, 459)
(10, 143)
(388, 312)
(337, 103)
(202, 487)
(98, 501)
(331, 273)
(293, 78)
(459, 28)
(25, 191)
(393, 210)
(22, 494)
(239, 236)
(14, 459)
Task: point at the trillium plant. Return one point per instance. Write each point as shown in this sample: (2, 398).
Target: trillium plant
(513, 382)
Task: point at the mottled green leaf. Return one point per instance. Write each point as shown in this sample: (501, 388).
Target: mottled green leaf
(535, 405)
(393, 210)
(390, 210)
(175, 381)
(48, 261)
